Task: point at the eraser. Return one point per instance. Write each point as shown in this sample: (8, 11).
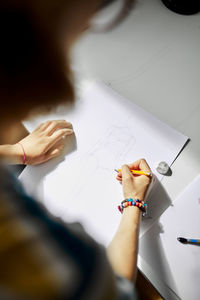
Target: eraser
(162, 168)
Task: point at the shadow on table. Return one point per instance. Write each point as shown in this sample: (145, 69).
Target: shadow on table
(151, 249)
(158, 201)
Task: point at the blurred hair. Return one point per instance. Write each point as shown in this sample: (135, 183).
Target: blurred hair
(34, 69)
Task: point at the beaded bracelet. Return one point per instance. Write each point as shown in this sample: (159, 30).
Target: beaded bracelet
(131, 202)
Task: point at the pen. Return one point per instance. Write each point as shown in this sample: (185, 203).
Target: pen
(136, 172)
(188, 241)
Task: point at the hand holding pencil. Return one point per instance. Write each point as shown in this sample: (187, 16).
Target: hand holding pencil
(133, 182)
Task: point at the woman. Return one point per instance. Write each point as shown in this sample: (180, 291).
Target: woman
(40, 257)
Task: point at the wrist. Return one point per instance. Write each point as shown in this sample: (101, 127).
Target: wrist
(16, 154)
(11, 154)
(135, 196)
(133, 208)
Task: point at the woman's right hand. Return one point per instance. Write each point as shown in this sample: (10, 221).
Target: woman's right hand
(135, 186)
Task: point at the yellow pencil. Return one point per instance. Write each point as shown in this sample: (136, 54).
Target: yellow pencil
(136, 172)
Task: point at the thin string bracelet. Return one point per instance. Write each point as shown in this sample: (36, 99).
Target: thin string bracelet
(24, 154)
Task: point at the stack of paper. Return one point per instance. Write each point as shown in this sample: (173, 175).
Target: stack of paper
(109, 131)
(176, 265)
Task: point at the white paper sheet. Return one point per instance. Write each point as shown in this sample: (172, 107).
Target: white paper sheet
(110, 131)
(176, 264)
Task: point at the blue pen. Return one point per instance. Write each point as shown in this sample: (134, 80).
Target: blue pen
(188, 241)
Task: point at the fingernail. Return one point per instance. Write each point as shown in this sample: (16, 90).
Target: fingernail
(69, 131)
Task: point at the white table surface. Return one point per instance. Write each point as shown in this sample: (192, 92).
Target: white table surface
(153, 58)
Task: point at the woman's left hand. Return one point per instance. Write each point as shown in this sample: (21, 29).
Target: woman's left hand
(44, 143)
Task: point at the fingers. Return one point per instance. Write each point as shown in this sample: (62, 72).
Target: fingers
(126, 173)
(53, 130)
(51, 126)
(127, 178)
(59, 134)
(42, 126)
(54, 152)
(140, 164)
(143, 165)
(55, 125)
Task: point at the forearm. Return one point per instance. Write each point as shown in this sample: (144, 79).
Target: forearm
(122, 251)
(11, 154)
(14, 133)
